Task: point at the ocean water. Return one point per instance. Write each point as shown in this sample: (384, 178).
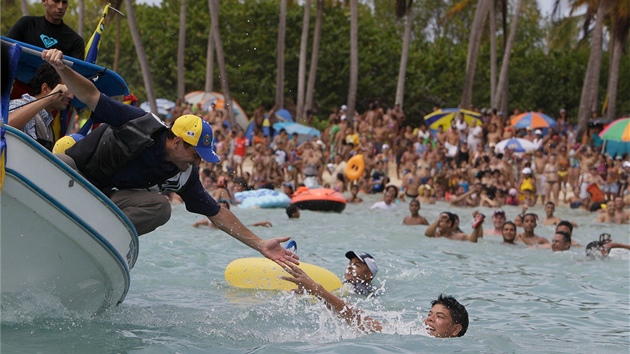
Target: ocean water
(520, 300)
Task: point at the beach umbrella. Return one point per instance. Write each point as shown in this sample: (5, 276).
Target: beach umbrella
(515, 144)
(284, 115)
(163, 106)
(619, 130)
(617, 137)
(444, 117)
(195, 97)
(533, 120)
(305, 133)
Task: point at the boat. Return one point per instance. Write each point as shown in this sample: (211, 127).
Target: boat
(60, 235)
(318, 199)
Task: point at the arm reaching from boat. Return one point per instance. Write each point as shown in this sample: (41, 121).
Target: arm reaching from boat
(83, 89)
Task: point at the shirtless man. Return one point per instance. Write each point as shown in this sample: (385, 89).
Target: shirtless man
(609, 215)
(498, 219)
(447, 226)
(441, 134)
(354, 198)
(415, 218)
(460, 197)
(509, 232)
(452, 142)
(621, 216)
(527, 236)
(408, 160)
(494, 136)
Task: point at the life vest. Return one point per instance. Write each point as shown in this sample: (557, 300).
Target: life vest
(104, 151)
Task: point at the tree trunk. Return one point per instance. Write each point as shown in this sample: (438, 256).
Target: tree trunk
(218, 44)
(493, 53)
(116, 5)
(591, 78)
(312, 74)
(404, 56)
(499, 100)
(181, 45)
(613, 77)
(302, 65)
(142, 55)
(24, 5)
(81, 23)
(209, 59)
(354, 60)
(282, 24)
(474, 42)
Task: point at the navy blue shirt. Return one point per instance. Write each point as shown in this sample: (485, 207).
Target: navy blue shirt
(150, 170)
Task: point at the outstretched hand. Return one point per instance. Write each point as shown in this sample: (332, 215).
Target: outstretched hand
(274, 251)
(299, 278)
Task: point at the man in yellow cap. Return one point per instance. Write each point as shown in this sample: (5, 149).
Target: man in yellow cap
(133, 157)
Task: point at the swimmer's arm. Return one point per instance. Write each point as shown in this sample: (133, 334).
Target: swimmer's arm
(351, 315)
(612, 245)
(431, 230)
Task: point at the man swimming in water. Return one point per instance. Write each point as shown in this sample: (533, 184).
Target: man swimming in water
(446, 319)
(447, 226)
(360, 272)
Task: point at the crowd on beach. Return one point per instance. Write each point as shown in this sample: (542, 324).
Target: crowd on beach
(457, 163)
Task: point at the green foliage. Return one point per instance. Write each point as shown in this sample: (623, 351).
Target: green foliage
(541, 76)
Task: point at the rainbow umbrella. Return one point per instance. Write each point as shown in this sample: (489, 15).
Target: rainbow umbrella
(616, 136)
(618, 130)
(533, 120)
(444, 117)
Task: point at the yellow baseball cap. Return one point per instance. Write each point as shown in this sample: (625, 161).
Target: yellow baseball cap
(198, 133)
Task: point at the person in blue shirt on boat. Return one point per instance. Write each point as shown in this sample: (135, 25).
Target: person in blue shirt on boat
(134, 157)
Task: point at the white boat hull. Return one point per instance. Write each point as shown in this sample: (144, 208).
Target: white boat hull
(59, 234)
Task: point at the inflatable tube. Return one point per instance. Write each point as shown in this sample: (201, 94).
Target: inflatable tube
(262, 274)
(319, 199)
(355, 167)
(262, 198)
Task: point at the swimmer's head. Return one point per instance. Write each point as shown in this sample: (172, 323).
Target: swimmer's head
(447, 318)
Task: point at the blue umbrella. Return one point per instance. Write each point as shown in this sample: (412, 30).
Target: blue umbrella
(163, 106)
(304, 132)
(284, 115)
(516, 144)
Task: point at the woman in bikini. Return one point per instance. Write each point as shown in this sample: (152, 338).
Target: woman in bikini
(563, 170)
(552, 179)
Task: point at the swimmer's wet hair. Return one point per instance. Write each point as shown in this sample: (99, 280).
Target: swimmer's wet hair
(567, 224)
(457, 310)
(292, 209)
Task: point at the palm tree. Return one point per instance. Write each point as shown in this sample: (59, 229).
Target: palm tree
(474, 42)
(81, 18)
(588, 99)
(620, 14)
(493, 50)
(227, 96)
(117, 15)
(302, 65)
(404, 8)
(354, 59)
(282, 24)
(209, 60)
(181, 44)
(310, 85)
(499, 100)
(142, 55)
(24, 5)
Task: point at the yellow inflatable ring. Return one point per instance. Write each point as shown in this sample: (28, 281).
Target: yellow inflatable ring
(355, 167)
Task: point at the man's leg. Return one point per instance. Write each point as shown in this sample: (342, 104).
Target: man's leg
(146, 210)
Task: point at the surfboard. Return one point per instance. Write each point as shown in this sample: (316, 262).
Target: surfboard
(263, 274)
